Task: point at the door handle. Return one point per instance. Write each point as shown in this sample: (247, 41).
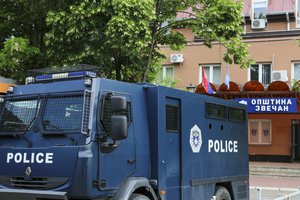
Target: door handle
(131, 161)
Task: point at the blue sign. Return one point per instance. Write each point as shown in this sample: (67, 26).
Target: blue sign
(270, 105)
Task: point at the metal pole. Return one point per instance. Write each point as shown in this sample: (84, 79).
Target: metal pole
(258, 194)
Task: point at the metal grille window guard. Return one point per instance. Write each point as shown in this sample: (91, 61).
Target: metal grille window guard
(59, 113)
(18, 114)
(63, 113)
(86, 112)
(107, 113)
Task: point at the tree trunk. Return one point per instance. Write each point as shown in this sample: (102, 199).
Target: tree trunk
(145, 73)
(154, 30)
(118, 70)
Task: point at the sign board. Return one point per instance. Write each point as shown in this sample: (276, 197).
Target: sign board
(270, 105)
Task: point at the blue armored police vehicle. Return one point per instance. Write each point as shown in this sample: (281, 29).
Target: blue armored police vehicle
(70, 135)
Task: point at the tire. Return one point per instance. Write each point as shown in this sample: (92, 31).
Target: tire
(138, 197)
(222, 194)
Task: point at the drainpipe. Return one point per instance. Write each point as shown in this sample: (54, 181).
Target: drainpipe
(288, 26)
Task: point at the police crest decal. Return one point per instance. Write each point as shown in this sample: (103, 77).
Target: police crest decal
(195, 139)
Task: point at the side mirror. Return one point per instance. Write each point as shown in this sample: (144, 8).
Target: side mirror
(118, 103)
(118, 127)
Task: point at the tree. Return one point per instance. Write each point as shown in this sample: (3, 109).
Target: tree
(26, 19)
(16, 57)
(221, 20)
(211, 20)
(112, 34)
(121, 36)
(124, 35)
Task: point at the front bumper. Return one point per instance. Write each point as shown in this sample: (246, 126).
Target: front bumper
(20, 194)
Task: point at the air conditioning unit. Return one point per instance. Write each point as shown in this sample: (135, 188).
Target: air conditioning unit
(280, 75)
(258, 24)
(176, 58)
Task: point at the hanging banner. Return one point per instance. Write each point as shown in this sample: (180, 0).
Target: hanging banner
(269, 105)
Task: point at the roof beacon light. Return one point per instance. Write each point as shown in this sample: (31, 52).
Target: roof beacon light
(10, 89)
(60, 75)
(66, 75)
(29, 80)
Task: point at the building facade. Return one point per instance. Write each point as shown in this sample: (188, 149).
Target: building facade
(273, 45)
(272, 30)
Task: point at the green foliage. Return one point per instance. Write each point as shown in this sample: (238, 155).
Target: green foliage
(26, 19)
(16, 57)
(108, 33)
(121, 36)
(156, 76)
(212, 20)
(167, 81)
(296, 85)
(221, 20)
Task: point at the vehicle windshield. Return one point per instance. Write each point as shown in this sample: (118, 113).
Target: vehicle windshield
(62, 114)
(17, 114)
(56, 114)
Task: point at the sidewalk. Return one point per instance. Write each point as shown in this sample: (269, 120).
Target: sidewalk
(274, 164)
(272, 187)
(274, 182)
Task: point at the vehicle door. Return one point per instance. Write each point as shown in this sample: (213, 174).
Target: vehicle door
(117, 158)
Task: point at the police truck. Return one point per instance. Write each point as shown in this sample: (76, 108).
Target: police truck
(68, 134)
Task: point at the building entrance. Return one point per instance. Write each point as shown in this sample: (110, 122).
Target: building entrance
(296, 140)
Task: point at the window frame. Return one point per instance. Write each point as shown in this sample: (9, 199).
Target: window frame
(297, 16)
(293, 69)
(231, 109)
(225, 117)
(164, 72)
(211, 73)
(260, 133)
(255, 5)
(178, 119)
(260, 70)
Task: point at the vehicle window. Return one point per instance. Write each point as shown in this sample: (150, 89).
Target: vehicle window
(18, 114)
(107, 113)
(215, 110)
(172, 118)
(236, 114)
(63, 113)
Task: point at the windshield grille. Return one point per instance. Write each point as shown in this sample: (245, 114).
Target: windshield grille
(62, 113)
(17, 115)
(55, 113)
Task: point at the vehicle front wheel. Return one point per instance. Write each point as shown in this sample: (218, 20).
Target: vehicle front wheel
(222, 194)
(138, 197)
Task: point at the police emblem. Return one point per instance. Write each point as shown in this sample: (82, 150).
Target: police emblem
(195, 139)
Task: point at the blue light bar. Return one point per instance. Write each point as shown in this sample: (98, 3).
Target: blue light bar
(43, 77)
(82, 74)
(75, 74)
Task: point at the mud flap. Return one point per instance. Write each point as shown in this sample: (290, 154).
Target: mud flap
(17, 194)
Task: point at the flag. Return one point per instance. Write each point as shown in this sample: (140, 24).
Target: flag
(227, 78)
(205, 83)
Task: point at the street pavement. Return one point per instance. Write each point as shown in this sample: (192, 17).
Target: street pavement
(269, 188)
